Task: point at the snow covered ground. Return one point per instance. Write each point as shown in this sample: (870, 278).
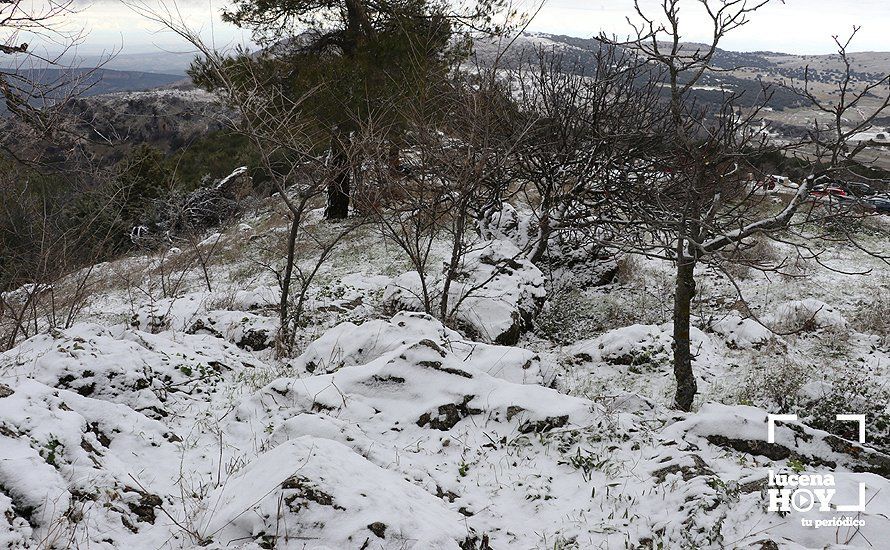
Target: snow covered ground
(163, 419)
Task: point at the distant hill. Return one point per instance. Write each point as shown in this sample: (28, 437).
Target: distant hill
(154, 62)
(786, 112)
(102, 81)
(710, 89)
(56, 83)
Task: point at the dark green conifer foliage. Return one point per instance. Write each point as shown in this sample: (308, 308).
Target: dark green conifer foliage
(363, 60)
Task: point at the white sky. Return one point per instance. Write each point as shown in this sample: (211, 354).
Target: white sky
(798, 26)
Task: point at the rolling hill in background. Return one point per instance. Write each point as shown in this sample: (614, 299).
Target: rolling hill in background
(162, 62)
(58, 83)
(752, 75)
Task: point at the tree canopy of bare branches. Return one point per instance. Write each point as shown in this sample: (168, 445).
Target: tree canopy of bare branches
(698, 199)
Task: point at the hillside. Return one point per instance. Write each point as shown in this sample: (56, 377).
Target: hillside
(382, 286)
(85, 82)
(787, 114)
(163, 419)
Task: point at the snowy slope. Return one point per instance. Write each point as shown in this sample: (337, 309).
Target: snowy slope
(165, 420)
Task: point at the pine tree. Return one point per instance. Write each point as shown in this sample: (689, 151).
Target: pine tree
(362, 61)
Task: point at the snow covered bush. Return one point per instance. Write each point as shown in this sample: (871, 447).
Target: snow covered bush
(773, 385)
(574, 313)
(567, 316)
(848, 391)
(808, 315)
(494, 296)
(817, 397)
(872, 314)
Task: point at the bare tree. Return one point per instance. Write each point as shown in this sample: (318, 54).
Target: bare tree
(43, 281)
(695, 203)
(584, 116)
(460, 141)
(33, 39)
(851, 111)
(285, 140)
(46, 261)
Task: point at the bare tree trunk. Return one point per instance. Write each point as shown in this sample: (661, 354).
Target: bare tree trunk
(457, 249)
(683, 295)
(544, 229)
(283, 311)
(543, 240)
(339, 188)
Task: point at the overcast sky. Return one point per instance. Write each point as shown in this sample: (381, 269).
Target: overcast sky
(798, 26)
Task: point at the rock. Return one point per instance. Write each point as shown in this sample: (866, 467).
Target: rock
(96, 362)
(511, 294)
(742, 333)
(404, 292)
(200, 326)
(542, 426)
(378, 528)
(494, 298)
(255, 340)
(144, 508)
(246, 330)
(330, 493)
(300, 491)
(449, 415)
(698, 468)
(754, 447)
(348, 344)
(744, 429)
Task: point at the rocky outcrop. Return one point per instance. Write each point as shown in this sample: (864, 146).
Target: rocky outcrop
(493, 298)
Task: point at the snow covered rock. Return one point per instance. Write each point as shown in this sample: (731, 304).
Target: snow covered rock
(405, 292)
(739, 333)
(65, 458)
(724, 452)
(493, 298)
(144, 371)
(636, 359)
(499, 292)
(317, 489)
(508, 224)
(246, 330)
(808, 315)
(24, 293)
(261, 297)
(422, 384)
(440, 422)
(348, 344)
(623, 345)
(745, 429)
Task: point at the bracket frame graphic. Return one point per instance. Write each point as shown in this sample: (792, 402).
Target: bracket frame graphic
(860, 418)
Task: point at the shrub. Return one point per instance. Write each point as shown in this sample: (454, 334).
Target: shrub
(571, 314)
(757, 253)
(872, 315)
(795, 389)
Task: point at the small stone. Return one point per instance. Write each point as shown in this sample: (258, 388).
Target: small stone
(378, 528)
